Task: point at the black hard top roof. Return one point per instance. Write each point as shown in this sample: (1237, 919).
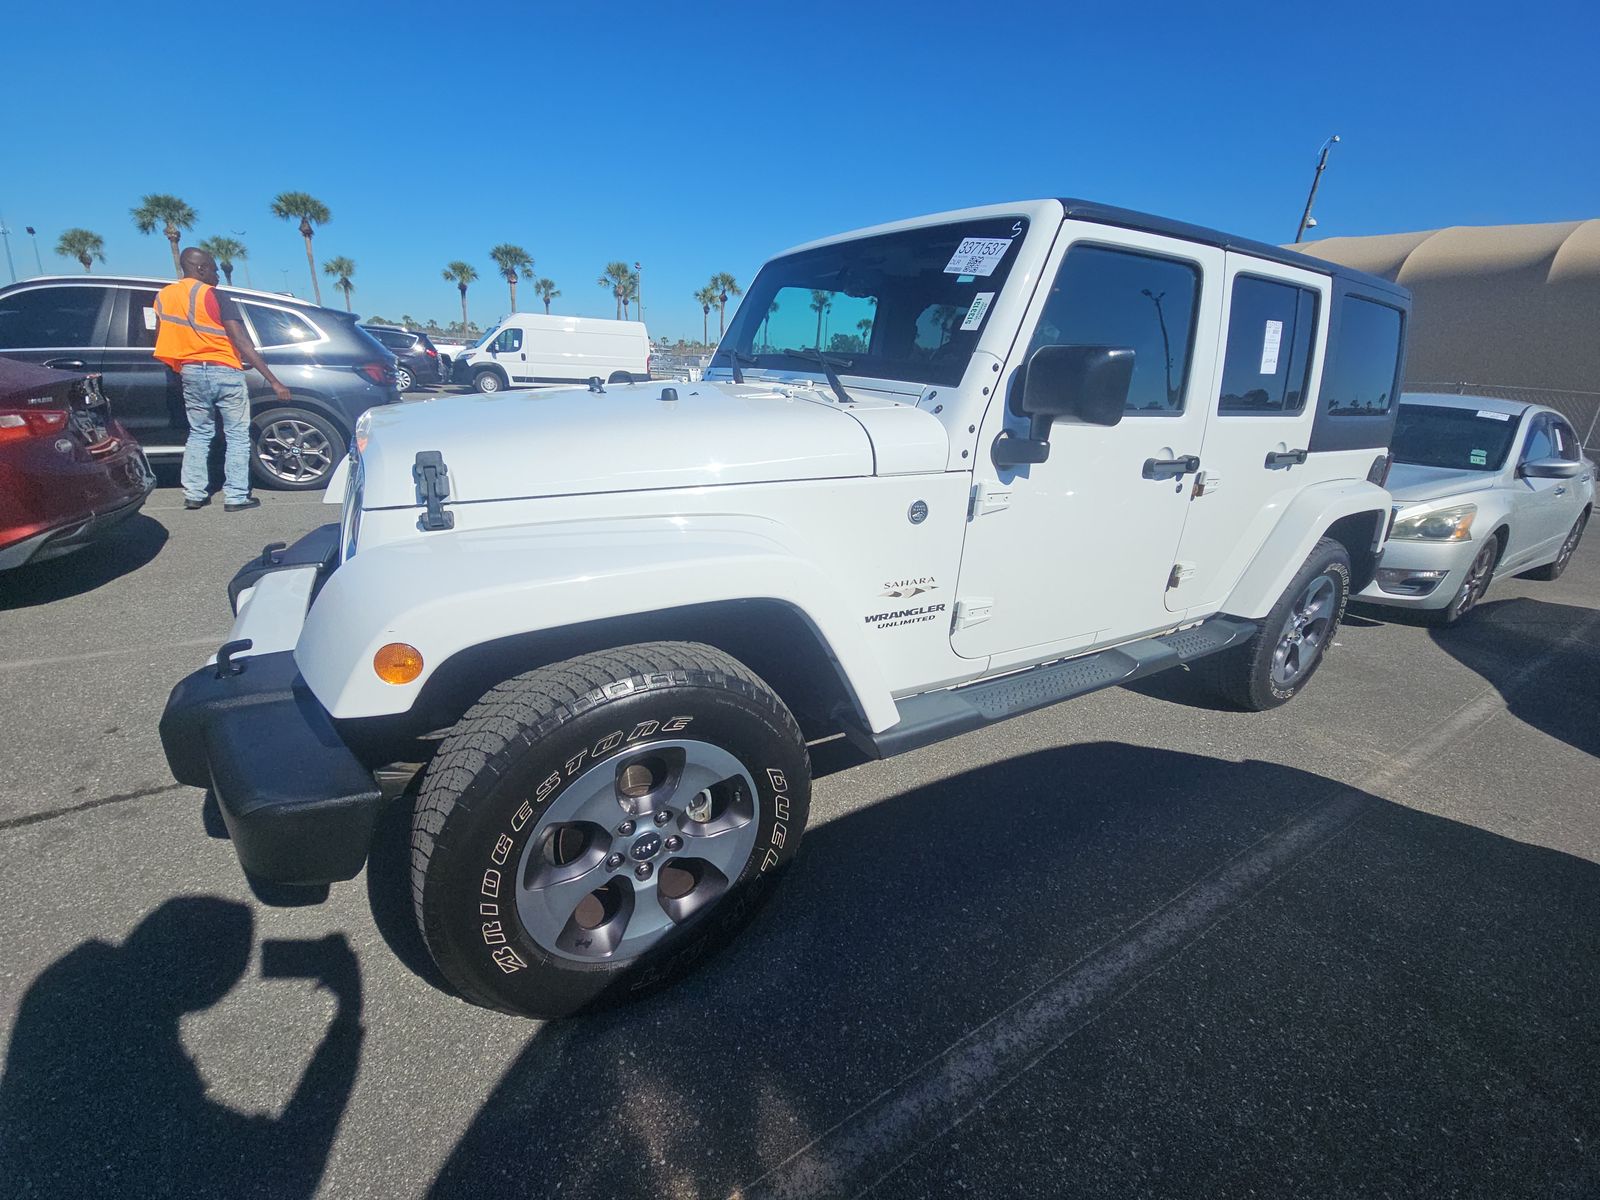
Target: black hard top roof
(1127, 218)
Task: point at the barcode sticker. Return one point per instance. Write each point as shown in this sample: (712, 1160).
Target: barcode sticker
(980, 306)
(1270, 341)
(977, 256)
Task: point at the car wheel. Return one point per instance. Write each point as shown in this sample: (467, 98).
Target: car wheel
(403, 378)
(1273, 666)
(293, 449)
(591, 830)
(488, 380)
(1479, 575)
(1553, 570)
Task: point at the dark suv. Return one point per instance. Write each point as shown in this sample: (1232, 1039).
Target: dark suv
(416, 360)
(334, 368)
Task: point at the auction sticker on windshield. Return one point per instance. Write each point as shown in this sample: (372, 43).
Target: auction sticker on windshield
(980, 306)
(977, 256)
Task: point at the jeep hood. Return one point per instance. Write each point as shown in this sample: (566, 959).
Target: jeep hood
(568, 441)
(1411, 484)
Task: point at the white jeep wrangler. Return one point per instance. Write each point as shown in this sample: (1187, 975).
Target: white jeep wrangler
(939, 473)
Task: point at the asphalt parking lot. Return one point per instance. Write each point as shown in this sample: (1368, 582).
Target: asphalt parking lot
(1131, 946)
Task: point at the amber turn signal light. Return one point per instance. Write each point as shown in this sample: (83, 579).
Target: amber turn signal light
(397, 663)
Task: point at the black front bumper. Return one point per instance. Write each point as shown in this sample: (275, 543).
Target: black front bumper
(298, 804)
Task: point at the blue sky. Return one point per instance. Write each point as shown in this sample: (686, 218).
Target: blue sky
(711, 138)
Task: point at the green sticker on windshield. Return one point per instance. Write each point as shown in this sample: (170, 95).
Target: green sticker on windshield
(1480, 458)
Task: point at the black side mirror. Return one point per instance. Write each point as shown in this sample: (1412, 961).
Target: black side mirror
(1087, 384)
(1549, 468)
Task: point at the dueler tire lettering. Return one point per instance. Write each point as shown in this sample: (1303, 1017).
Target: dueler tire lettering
(511, 758)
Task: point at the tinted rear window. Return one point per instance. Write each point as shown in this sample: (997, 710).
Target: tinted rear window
(1270, 328)
(274, 327)
(1462, 439)
(1363, 364)
(50, 317)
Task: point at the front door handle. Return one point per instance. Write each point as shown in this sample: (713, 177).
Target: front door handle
(65, 364)
(1171, 468)
(1286, 458)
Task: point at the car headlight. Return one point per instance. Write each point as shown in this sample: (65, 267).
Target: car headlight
(1452, 524)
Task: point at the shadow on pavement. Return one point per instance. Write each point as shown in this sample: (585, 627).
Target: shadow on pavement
(1500, 638)
(1408, 1009)
(122, 550)
(100, 1098)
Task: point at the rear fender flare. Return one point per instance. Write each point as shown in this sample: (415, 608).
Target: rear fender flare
(1305, 521)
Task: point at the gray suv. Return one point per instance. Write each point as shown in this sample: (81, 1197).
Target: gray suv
(335, 369)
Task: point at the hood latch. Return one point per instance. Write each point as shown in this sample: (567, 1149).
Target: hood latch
(433, 489)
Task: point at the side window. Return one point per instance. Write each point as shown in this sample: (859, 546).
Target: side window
(1267, 366)
(274, 327)
(1104, 297)
(509, 340)
(1540, 444)
(50, 318)
(1566, 440)
(140, 331)
(1360, 379)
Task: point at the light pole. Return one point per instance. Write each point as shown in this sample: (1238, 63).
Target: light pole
(5, 236)
(1311, 196)
(638, 272)
(37, 261)
(239, 233)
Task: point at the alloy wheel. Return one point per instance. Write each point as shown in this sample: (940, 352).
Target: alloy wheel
(403, 380)
(1570, 546)
(638, 845)
(1476, 583)
(293, 450)
(1305, 632)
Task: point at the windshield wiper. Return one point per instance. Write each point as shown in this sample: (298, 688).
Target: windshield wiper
(826, 362)
(734, 359)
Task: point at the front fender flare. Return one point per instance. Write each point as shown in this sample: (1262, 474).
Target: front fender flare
(1304, 522)
(448, 592)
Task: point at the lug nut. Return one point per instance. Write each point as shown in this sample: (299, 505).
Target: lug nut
(615, 861)
(663, 816)
(674, 843)
(643, 871)
(626, 829)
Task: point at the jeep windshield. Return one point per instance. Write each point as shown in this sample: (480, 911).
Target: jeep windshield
(906, 306)
(1461, 439)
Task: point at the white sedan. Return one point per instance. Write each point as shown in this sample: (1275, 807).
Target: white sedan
(1481, 486)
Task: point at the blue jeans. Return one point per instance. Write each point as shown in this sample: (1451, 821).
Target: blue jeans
(210, 389)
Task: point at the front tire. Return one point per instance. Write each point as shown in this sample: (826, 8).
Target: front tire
(1273, 666)
(1480, 574)
(591, 830)
(403, 379)
(293, 449)
(488, 380)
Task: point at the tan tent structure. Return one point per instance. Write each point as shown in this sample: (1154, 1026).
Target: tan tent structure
(1510, 308)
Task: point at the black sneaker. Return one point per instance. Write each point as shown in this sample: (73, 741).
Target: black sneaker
(194, 504)
(252, 502)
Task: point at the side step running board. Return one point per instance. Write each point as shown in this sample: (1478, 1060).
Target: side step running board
(934, 716)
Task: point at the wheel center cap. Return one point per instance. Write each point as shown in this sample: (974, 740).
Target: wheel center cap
(646, 847)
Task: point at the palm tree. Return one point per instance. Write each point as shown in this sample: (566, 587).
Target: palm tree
(83, 245)
(171, 214)
(511, 259)
(226, 251)
(821, 302)
(706, 296)
(461, 274)
(547, 291)
(726, 286)
(766, 321)
(615, 278)
(339, 270)
(630, 292)
(311, 213)
(864, 328)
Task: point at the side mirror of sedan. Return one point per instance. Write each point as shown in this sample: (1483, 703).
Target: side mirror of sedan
(1549, 468)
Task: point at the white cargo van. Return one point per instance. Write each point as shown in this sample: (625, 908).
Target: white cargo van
(534, 350)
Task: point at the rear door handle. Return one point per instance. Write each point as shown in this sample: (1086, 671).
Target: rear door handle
(1285, 458)
(1171, 468)
(65, 364)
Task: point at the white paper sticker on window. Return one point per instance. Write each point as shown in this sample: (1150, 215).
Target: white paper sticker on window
(1270, 341)
(1494, 416)
(980, 307)
(977, 256)
(149, 318)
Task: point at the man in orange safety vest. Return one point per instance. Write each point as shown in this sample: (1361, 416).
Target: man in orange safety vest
(200, 335)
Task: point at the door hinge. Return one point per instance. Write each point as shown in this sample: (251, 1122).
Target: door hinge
(974, 610)
(1180, 572)
(988, 498)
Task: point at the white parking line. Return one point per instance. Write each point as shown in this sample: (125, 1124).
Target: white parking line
(877, 1138)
